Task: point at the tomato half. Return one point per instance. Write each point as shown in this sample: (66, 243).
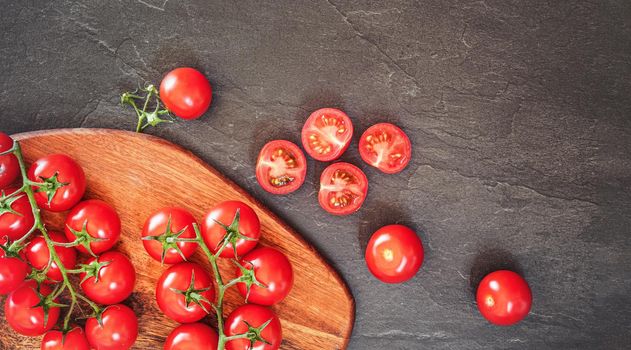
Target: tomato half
(225, 215)
(386, 147)
(255, 316)
(62, 179)
(504, 298)
(118, 329)
(73, 340)
(186, 92)
(327, 134)
(95, 224)
(9, 166)
(343, 188)
(16, 214)
(160, 231)
(281, 167)
(273, 270)
(23, 316)
(110, 280)
(192, 336)
(38, 255)
(184, 292)
(394, 254)
(13, 271)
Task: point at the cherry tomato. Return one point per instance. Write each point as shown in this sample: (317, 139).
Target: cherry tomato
(343, 188)
(9, 166)
(192, 336)
(281, 167)
(95, 224)
(73, 340)
(224, 214)
(22, 314)
(504, 297)
(177, 282)
(273, 270)
(38, 255)
(110, 280)
(63, 182)
(12, 272)
(158, 235)
(394, 254)
(327, 134)
(255, 316)
(386, 147)
(186, 92)
(118, 329)
(16, 215)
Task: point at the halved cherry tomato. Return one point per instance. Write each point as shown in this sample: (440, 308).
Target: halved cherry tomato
(73, 340)
(16, 214)
(160, 231)
(343, 188)
(255, 316)
(192, 336)
(95, 224)
(9, 166)
(62, 182)
(223, 216)
(23, 316)
(118, 329)
(184, 292)
(386, 147)
(394, 254)
(186, 92)
(13, 271)
(281, 167)
(273, 270)
(504, 297)
(327, 134)
(111, 278)
(38, 255)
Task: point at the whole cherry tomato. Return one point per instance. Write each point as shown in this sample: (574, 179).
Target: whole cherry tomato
(118, 329)
(38, 255)
(62, 182)
(23, 316)
(255, 316)
(186, 92)
(73, 340)
(95, 224)
(16, 215)
(343, 188)
(281, 167)
(192, 336)
(327, 134)
(222, 224)
(386, 147)
(184, 292)
(160, 231)
(110, 278)
(504, 297)
(273, 270)
(13, 271)
(9, 166)
(394, 254)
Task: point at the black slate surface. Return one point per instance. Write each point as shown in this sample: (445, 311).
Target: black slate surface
(519, 113)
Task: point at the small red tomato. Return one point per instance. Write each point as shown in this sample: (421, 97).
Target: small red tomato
(38, 255)
(504, 297)
(118, 329)
(110, 278)
(386, 147)
(95, 225)
(281, 167)
(394, 254)
(327, 134)
(16, 214)
(160, 231)
(13, 271)
(9, 166)
(255, 316)
(23, 316)
(62, 182)
(222, 223)
(343, 188)
(192, 336)
(73, 340)
(186, 92)
(184, 292)
(273, 270)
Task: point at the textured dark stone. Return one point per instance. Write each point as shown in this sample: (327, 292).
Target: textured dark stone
(519, 113)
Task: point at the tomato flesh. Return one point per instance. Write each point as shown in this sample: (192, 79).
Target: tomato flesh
(73, 340)
(16, 217)
(273, 270)
(394, 254)
(186, 92)
(118, 329)
(281, 167)
(9, 166)
(343, 188)
(386, 147)
(192, 336)
(327, 134)
(504, 298)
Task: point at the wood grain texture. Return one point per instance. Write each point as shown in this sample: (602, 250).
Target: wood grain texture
(138, 174)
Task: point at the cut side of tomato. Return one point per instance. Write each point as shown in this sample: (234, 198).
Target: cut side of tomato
(327, 134)
(386, 147)
(281, 167)
(343, 188)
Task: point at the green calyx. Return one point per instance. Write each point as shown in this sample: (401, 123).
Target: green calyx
(169, 240)
(151, 117)
(232, 234)
(254, 333)
(248, 277)
(49, 186)
(194, 295)
(47, 302)
(92, 269)
(82, 238)
(6, 202)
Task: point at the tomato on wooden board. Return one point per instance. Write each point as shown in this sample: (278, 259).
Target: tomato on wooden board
(22, 314)
(273, 270)
(73, 340)
(160, 231)
(504, 297)
(13, 271)
(394, 254)
(184, 292)
(386, 147)
(110, 278)
(327, 134)
(16, 214)
(186, 92)
(281, 167)
(95, 224)
(38, 255)
(255, 316)
(63, 182)
(192, 336)
(9, 166)
(225, 215)
(118, 329)
(343, 188)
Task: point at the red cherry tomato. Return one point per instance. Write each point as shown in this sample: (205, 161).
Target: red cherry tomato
(255, 316)
(111, 278)
(273, 270)
(93, 221)
(9, 166)
(175, 282)
(13, 271)
(186, 92)
(504, 297)
(16, 215)
(281, 167)
(22, 314)
(394, 254)
(224, 214)
(343, 188)
(73, 340)
(64, 179)
(192, 336)
(386, 147)
(38, 255)
(160, 245)
(118, 329)
(327, 134)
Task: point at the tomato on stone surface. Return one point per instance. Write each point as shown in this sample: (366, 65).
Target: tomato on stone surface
(16, 215)
(223, 224)
(13, 271)
(186, 92)
(327, 134)
(95, 225)
(62, 182)
(38, 255)
(185, 292)
(192, 336)
(343, 188)
(281, 167)
(160, 231)
(504, 297)
(73, 340)
(386, 147)
(9, 166)
(118, 329)
(22, 314)
(272, 269)
(109, 279)
(394, 254)
(255, 316)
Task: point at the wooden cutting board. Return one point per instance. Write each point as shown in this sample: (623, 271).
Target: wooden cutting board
(138, 174)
